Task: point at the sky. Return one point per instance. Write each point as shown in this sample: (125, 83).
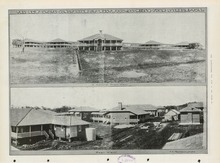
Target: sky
(137, 28)
(106, 97)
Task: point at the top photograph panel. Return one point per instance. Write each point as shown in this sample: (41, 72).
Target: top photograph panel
(108, 46)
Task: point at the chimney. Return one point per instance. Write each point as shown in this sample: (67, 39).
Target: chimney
(120, 105)
(100, 31)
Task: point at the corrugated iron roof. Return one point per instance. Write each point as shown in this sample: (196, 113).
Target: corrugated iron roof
(137, 109)
(101, 113)
(172, 112)
(68, 121)
(58, 40)
(151, 42)
(100, 36)
(183, 43)
(30, 40)
(196, 104)
(16, 115)
(31, 116)
(28, 116)
(190, 109)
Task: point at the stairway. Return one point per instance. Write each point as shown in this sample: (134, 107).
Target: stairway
(51, 134)
(46, 135)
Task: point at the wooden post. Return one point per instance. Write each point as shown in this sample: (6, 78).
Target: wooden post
(30, 131)
(41, 129)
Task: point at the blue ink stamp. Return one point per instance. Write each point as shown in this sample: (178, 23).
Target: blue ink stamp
(126, 159)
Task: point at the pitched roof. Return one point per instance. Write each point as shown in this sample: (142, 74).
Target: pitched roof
(190, 109)
(16, 115)
(120, 111)
(136, 109)
(183, 43)
(151, 42)
(196, 104)
(68, 121)
(191, 142)
(57, 40)
(84, 109)
(30, 40)
(101, 113)
(30, 116)
(172, 111)
(101, 36)
(64, 113)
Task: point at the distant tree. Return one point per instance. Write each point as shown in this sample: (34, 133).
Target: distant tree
(194, 45)
(62, 109)
(17, 42)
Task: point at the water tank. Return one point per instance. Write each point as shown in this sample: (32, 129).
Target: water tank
(90, 134)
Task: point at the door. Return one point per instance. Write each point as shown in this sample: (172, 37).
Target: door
(196, 118)
(99, 48)
(186, 118)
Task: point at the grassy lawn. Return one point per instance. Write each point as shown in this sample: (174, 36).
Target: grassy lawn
(38, 65)
(42, 66)
(155, 66)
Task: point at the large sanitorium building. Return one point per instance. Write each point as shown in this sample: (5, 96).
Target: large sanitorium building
(100, 42)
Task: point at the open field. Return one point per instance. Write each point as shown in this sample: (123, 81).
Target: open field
(38, 65)
(136, 137)
(42, 66)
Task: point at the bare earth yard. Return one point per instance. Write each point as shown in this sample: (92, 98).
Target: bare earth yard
(136, 137)
(42, 66)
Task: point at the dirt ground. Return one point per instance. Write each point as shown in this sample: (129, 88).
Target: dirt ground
(42, 66)
(108, 137)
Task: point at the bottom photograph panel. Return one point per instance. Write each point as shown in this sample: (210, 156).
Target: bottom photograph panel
(108, 120)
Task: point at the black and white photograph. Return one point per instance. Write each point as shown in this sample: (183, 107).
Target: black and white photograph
(127, 119)
(109, 82)
(76, 46)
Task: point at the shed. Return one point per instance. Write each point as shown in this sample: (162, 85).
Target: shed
(190, 115)
(68, 127)
(172, 115)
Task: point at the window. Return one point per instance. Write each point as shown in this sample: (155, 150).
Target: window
(133, 117)
(34, 128)
(13, 129)
(25, 129)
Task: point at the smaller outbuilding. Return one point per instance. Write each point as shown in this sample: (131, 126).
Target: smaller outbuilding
(172, 115)
(190, 115)
(70, 127)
